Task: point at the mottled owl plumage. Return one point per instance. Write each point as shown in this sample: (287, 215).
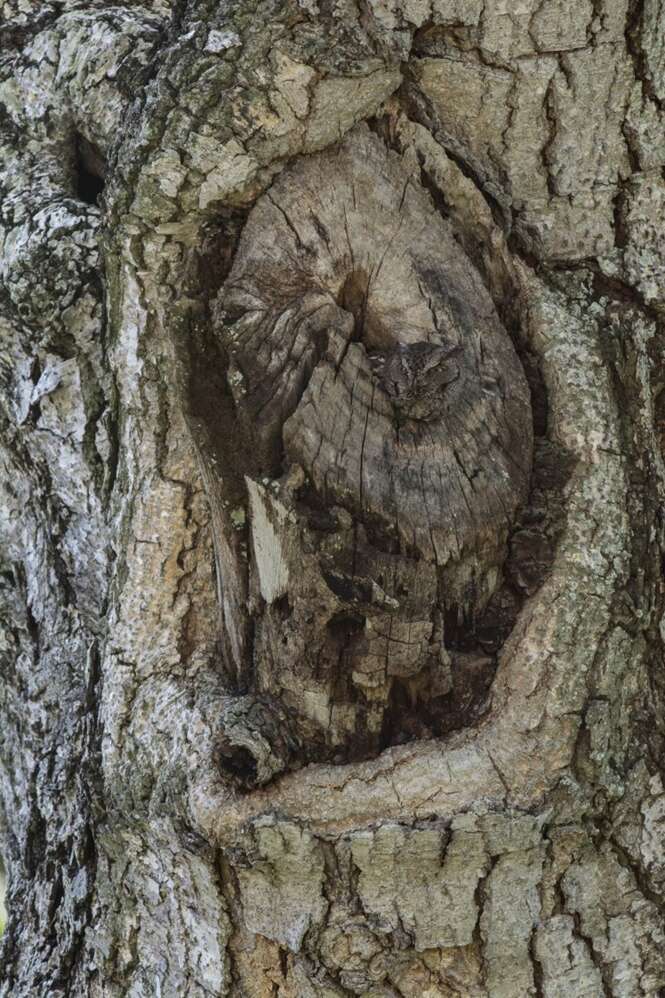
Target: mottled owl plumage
(415, 375)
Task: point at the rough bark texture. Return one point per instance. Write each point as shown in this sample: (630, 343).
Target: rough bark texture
(332, 417)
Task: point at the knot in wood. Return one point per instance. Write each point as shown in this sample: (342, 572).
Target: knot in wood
(365, 349)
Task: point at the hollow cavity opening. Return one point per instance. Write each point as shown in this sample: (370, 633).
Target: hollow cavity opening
(90, 170)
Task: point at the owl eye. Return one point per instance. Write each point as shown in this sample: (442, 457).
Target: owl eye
(433, 361)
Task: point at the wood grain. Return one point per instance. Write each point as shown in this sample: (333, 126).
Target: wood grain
(384, 431)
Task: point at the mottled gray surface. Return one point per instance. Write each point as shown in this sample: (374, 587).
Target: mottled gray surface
(523, 854)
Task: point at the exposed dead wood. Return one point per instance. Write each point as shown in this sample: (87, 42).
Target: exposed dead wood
(383, 425)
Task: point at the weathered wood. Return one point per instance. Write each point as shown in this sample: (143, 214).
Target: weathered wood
(345, 280)
(164, 826)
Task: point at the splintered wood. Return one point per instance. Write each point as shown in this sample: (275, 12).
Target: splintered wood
(383, 429)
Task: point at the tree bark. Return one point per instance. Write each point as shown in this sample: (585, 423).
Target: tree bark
(331, 534)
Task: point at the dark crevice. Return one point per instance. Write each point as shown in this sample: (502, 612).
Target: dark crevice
(538, 979)
(90, 169)
(634, 47)
(435, 193)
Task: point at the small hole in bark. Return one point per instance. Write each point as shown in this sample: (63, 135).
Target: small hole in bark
(90, 169)
(241, 763)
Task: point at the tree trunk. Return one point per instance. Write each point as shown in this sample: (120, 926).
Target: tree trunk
(332, 425)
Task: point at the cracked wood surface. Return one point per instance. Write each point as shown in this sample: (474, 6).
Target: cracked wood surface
(369, 522)
(521, 854)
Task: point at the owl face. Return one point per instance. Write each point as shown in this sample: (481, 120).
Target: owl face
(414, 375)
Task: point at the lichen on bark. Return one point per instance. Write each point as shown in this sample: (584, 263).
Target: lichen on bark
(206, 788)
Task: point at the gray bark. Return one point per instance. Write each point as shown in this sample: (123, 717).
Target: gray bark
(332, 422)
